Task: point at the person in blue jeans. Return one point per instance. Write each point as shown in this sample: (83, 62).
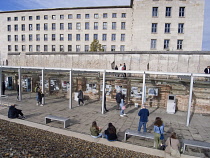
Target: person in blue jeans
(143, 113)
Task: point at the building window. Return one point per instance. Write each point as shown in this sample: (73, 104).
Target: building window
(23, 48)
(95, 16)
(53, 37)
(87, 16)
(61, 37)
(181, 11)
(105, 15)
(77, 37)
(9, 48)
(168, 11)
(30, 48)
(167, 28)
(53, 17)
(179, 44)
(61, 48)
(122, 25)
(154, 11)
(180, 28)
(53, 26)
(122, 48)
(45, 26)
(87, 27)
(95, 36)
(16, 38)
(37, 27)
(37, 17)
(23, 38)
(104, 25)
(61, 26)
(8, 18)
(112, 48)
(16, 48)
(78, 16)
(104, 37)
(45, 48)
(113, 37)
(8, 27)
(70, 16)
(37, 37)
(16, 27)
(69, 48)
(114, 15)
(9, 38)
(114, 25)
(30, 18)
(69, 26)
(166, 44)
(122, 37)
(95, 25)
(30, 37)
(69, 37)
(53, 48)
(123, 15)
(45, 17)
(23, 18)
(78, 26)
(154, 27)
(30, 27)
(153, 43)
(23, 27)
(15, 18)
(38, 48)
(77, 48)
(104, 48)
(45, 37)
(86, 37)
(86, 48)
(62, 16)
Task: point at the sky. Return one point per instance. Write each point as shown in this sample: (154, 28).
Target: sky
(8, 5)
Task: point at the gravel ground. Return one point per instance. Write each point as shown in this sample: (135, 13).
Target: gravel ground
(18, 140)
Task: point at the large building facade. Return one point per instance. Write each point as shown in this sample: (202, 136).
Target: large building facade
(144, 25)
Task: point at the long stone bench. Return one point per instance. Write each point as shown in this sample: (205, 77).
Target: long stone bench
(49, 118)
(195, 143)
(138, 134)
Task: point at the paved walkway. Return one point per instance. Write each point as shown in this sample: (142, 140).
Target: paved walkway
(82, 117)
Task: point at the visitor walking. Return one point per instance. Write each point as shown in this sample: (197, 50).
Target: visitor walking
(80, 97)
(143, 113)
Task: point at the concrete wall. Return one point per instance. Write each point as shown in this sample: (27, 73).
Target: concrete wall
(193, 62)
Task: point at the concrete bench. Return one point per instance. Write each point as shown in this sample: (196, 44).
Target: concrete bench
(139, 134)
(66, 121)
(195, 143)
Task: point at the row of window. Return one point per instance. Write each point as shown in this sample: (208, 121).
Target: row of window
(69, 37)
(166, 44)
(168, 12)
(61, 48)
(69, 16)
(69, 26)
(167, 29)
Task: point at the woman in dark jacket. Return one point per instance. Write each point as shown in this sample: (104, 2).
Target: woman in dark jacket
(110, 133)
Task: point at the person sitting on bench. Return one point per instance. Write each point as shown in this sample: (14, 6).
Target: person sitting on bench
(95, 130)
(15, 113)
(110, 133)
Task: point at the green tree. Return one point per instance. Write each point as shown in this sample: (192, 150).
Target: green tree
(95, 46)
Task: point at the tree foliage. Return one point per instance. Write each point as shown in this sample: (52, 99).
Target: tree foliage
(95, 46)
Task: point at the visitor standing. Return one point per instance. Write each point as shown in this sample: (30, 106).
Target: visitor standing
(3, 88)
(39, 97)
(124, 68)
(173, 145)
(143, 113)
(118, 99)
